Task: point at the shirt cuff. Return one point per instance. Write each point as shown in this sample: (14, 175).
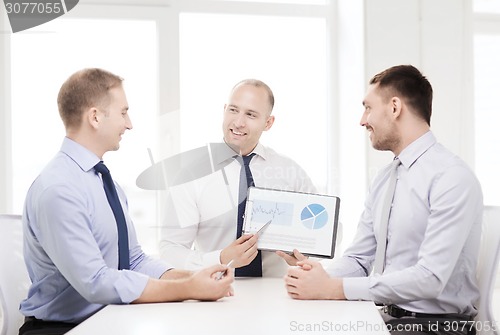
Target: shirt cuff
(211, 258)
(357, 288)
(130, 285)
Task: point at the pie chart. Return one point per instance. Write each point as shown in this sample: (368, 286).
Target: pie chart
(314, 216)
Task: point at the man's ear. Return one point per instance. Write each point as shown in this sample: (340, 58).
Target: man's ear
(269, 122)
(92, 117)
(396, 105)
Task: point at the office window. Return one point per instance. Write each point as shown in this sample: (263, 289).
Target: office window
(288, 53)
(487, 115)
(287, 43)
(486, 84)
(43, 58)
(486, 6)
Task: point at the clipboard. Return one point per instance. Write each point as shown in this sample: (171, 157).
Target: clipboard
(303, 221)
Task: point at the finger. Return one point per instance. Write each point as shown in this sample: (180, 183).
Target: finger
(294, 272)
(251, 254)
(227, 278)
(288, 282)
(250, 248)
(243, 238)
(309, 262)
(217, 271)
(253, 239)
(292, 281)
(292, 292)
(280, 253)
(285, 256)
(297, 254)
(307, 266)
(217, 268)
(247, 257)
(248, 244)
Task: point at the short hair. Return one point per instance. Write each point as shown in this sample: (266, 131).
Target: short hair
(84, 89)
(410, 84)
(258, 83)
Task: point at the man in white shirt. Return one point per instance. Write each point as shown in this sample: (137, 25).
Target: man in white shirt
(427, 274)
(204, 213)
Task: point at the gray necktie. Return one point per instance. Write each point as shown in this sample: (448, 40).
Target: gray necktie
(384, 218)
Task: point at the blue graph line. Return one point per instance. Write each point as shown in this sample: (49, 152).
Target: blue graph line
(279, 212)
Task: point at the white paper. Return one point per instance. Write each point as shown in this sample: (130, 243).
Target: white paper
(302, 221)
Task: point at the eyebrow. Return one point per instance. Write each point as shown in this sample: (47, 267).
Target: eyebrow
(246, 111)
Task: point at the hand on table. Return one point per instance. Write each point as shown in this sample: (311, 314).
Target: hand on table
(206, 285)
(309, 281)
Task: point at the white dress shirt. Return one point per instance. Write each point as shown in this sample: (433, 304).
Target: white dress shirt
(202, 214)
(433, 235)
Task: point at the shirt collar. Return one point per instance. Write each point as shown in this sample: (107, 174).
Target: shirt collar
(260, 150)
(85, 158)
(224, 152)
(416, 149)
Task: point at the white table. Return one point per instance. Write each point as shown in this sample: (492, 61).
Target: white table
(259, 306)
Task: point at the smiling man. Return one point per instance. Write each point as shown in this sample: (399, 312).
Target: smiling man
(80, 246)
(421, 225)
(206, 227)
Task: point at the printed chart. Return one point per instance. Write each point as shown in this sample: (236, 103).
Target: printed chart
(314, 216)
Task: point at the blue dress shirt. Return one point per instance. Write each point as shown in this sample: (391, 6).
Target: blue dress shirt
(71, 242)
(433, 235)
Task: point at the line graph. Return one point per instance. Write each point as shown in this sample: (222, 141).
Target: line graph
(281, 213)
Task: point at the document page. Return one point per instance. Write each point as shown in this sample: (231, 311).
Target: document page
(302, 221)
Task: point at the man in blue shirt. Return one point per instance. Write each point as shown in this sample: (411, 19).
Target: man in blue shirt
(70, 232)
(427, 228)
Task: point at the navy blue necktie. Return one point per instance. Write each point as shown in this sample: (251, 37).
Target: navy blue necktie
(114, 202)
(254, 269)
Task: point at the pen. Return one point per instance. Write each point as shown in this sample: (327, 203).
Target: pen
(261, 230)
(221, 273)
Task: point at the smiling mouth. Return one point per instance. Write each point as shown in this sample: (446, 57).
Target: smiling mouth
(237, 133)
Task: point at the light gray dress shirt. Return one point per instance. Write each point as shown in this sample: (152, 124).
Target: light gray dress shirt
(433, 235)
(202, 214)
(71, 242)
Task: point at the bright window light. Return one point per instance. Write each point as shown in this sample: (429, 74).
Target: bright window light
(287, 53)
(487, 116)
(43, 58)
(486, 6)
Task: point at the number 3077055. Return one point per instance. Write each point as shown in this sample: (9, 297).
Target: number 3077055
(34, 7)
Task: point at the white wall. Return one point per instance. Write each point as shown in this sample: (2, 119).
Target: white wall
(434, 35)
(5, 152)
